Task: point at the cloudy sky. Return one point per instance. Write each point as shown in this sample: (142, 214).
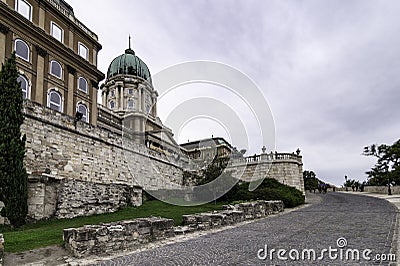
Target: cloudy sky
(329, 70)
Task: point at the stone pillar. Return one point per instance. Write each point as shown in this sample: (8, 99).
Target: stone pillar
(121, 97)
(93, 111)
(39, 88)
(42, 16)
(71, 87)
(71, 40)
(95, 56)
(1, 249)
(140, 99)
(154, 107)
(3, 33)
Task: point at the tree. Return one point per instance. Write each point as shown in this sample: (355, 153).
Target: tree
(13, 176)
(387, 168)
(311, 181)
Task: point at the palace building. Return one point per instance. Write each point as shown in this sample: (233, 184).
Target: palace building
(56, 55)
(85, 157)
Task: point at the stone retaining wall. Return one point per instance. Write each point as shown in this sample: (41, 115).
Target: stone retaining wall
(1, 249)
(92, 157)
(110, 238)
(116, 237)
(232, 214)
(50, 197)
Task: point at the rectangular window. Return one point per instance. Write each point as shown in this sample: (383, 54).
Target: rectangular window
(24, 8)
(57, 32)
(83, 51)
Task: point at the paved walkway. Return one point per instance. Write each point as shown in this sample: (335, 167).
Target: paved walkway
(362, 223)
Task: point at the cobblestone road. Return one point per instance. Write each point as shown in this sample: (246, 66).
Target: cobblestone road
(365, 223)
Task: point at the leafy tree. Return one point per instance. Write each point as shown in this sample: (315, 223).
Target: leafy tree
(13, 176)
(311, 181)
(387, 168)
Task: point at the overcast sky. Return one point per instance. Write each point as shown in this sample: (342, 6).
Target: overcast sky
(330, 70)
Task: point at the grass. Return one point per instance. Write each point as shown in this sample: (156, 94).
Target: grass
(46, 233)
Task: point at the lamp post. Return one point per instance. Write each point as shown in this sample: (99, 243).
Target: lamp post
(345, 184)
(387, 173)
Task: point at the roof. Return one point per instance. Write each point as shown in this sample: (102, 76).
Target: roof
(205, 142)
(129, 64)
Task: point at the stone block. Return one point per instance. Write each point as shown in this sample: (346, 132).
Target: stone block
(1, 249)
(116, 237)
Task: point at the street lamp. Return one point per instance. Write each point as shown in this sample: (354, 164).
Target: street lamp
(387, 173)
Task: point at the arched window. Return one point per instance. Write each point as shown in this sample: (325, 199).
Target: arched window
(22, 49)
(55, 101)
(112, 105)
(131, 104)
(56, 69)
(81, 108)
(82, 84)
(24, 86)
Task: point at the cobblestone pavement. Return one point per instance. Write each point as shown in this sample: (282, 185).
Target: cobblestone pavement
(364, 222)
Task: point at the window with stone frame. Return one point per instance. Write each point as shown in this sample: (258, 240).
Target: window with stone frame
(83, 51)
(24, 86)
(82, 108)
(57, 32)
(24, 8)
(112, 104)
(56, 69)
(131, 104)
(22, 49)
(54, 101)
(112, 92)
(83, 84)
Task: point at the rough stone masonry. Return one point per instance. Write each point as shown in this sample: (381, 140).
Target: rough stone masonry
(1, 249)
(105, 239)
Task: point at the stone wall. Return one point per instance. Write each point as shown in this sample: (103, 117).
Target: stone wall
(122, 236)
(69, 150)
(1, 249)
(287, 168)
(381, 189)
(67, 198)
(81, 151)
(80, 198)
(116, 237)
(232, 214)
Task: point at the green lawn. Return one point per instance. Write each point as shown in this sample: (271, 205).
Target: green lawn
(48, 233)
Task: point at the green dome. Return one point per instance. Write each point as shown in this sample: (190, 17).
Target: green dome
(129, 64)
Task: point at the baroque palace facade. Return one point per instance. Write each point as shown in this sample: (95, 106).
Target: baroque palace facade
(85, 157)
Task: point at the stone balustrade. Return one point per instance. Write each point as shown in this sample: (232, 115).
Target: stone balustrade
(232, 214)
(116, 237)
(269, 157)
(1, 249)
